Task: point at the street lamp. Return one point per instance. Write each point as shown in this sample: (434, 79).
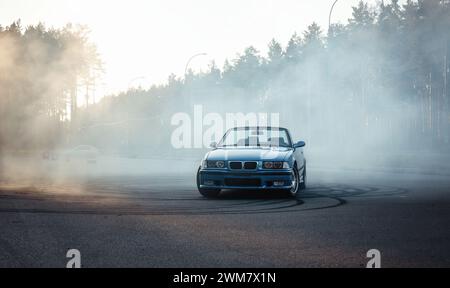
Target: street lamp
(130, 83)
(328, 107)
(329, 17)
(189, 62)
(186, 70)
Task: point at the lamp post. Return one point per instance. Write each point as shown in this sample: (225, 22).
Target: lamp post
(186, 71)
(329, 17)
(328, 107)
(130, 83)
(189, 62)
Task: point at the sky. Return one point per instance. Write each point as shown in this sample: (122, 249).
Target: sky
(142, 42)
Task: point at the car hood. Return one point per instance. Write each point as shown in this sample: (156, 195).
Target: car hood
(249, 154)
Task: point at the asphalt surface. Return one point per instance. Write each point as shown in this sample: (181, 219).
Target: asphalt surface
(161, 221)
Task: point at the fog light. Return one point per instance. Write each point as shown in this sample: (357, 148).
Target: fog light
(209, 183)
(278, 183)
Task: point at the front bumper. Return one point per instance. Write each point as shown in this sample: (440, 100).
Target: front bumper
(250, 180)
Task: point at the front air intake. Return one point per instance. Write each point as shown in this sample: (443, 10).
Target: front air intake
(250, 165)
(236, 165)
(242, 182)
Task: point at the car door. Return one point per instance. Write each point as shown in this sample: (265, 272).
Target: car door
(299, 158)
(298, 155)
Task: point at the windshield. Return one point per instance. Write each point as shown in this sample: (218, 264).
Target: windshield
(256, 137)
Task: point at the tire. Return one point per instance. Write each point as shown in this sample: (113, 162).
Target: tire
(294, 190)
(207, 193)
(303, 184)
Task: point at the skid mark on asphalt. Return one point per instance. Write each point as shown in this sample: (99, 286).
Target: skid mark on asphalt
(153, 198)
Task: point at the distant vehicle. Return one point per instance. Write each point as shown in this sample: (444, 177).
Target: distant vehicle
(83, 152)
(253, 158)
(49, 155)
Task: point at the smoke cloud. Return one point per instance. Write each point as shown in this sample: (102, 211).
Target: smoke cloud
(372, 93)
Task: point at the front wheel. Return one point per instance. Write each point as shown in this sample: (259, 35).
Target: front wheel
(303, 179)
(208, 193)
(295, 183)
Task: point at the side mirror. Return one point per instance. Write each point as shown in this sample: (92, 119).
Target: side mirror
(300, 144)
(213, 145)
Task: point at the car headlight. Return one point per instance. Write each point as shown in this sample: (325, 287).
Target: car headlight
(215, 164)
(220, 164)
(268, 165)
(275, 165)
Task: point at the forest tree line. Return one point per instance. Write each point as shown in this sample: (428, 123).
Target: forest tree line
(42, 71)
(381, 79)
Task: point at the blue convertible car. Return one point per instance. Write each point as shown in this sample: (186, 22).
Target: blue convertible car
(253, 158)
